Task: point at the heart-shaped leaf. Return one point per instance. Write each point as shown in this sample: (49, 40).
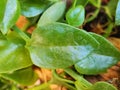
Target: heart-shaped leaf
(13, 55)
(59, 45)
(117, 17)
(11, 14)
(24, 76)
(53, 13)
(31, 8)
(100, 59)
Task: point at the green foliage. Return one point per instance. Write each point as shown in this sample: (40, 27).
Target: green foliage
(82, 2)
(53, 13)
(96, 86)
(102, 86)
(45, 86)
(13, 54)
(117, 17)
(79, 86)
(100, 59)
(11, 14)
(55, 44)
(2, 9)
(75, 16)
(112, 7)
(31, 8)
(7, 85)
(24, 76)
(96, 3)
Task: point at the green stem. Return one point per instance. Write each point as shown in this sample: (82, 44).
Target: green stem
(21, 33)
(108, 30)
(93, 16)
(74, 4)
(56, 79)
(60, 78)
(95, 13)
(77, 77)
(70, 87)
(61, 83)
(99, 3)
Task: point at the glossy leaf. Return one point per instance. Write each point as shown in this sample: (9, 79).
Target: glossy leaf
(102, 86)
(13, 55)
(117, 17)
(2, 9)
(101, 59)
(24, 76)
(31, 8)
(11, 14)
(75, 16)
(53, 13)
(59, 45)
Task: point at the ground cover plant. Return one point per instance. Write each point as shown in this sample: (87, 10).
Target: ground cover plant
(59, 41)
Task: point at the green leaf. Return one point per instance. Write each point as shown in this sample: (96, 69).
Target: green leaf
(110, 8)
(13, 54)
(31, 8)
(75, 16)
(44, 86)
(102, 86)
(2, 9)
(117, 17)
(24, 76)
(82, 2)
(53, 13)
(100, 59)
(112, 5)
(55, 44)
(96, 3)
(97, 86)
(11, 14)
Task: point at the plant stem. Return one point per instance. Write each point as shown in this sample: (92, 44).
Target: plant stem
(21, 33)
(70, 87)
(56, 79)
(61, 83)
(77, 77)
(94, 15)
(60, 78)
(74, 4)
(99, 3)
(108, 30)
